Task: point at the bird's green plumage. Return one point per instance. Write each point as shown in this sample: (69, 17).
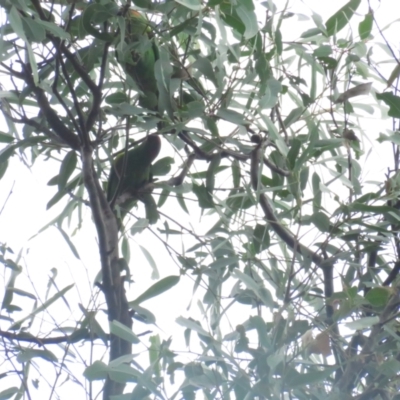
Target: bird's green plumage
(136, 175)
(140, 56)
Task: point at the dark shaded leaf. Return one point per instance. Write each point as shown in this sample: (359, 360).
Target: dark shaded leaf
(117, 98)
(212, 171)
(316, 180)
(67, 167)
(203, 196)
(394, 75)
(293, 153)
(3, 168)
(392, 101)
(261, 238)
(6, 137)
(358, 90)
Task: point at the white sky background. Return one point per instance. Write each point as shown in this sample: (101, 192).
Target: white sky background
(25, 214)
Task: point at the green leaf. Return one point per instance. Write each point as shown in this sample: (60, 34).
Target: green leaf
(27, 355)
(181, 202)
(162, 72)
(155, 274)
(54, 29)
(3, 168)
(7, 393)
(96, 13)
(23, 293)
(317, 199)
(6, 137)
(356, 206)
(43, 306)
(212, 126)
(311, 32)
(324, 50)
(142, 314)
(162, 166)
(60, 194)
(321, 221)
(180, 27)
(232, 116)
(365, 26)
(293, 153)
(262, 293)
(249, 19)
(194, 109)
(67, 167)
(392, 101)
(261, 238)
(394, 138)
(123, 332)
(235, 167)
(342, 17)
(273, 131)
(212, 171)
(158, 288)
(223, 262)
(163, 197)
(304, 173)
(394, 75)
(192, 325)
(139, 226)
(117, 98)
(194, 5)
(10, 287)
(97, 371)
(69, 242)
(379, 296)
(270, 98)
(150, 207)
(204, 65)
(233, 20)
(278, 41)
(9, 150)
(154, 354)
(16, 23)
(359, 90)
(294, 184)
(193, 369)
(203, 195)
(146, 4)
(296, 379)
(34, 31)
(126, 251)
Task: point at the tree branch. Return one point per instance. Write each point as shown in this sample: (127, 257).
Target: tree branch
(286, 235)
(113, 283)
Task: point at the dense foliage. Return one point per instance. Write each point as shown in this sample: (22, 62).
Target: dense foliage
(266, 137)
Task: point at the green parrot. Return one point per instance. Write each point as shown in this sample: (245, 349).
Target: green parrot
(137, 175)
(139, 58)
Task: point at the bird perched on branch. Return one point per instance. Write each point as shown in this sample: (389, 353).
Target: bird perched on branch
(128, 180)
(138, 56)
